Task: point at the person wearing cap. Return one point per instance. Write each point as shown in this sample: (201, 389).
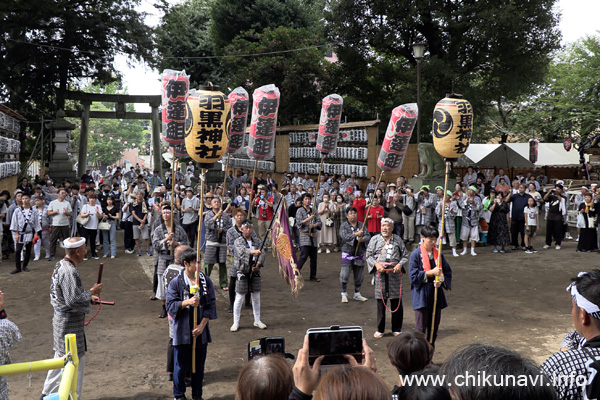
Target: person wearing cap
(165, 237)
(386, 258)
(471, 209)
(518, 201)
(556, 210)
(248, 258)
(582, 360)
(450, 209)
(70, 303)
(425, 208)
(587, 241)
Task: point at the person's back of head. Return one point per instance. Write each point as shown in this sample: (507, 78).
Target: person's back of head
(410, 352)
(352, 383)
(481, 371)
(424, 385)
(265, 378)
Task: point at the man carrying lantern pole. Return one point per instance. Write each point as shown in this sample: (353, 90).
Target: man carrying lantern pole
(386, 255)
(429, 270)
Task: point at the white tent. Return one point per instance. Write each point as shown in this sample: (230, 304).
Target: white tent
(516, 155)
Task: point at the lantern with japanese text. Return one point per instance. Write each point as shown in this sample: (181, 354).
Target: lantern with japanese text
(397, 137)
(265, 105)
(452, 126)
(533, 150)
(240, 101)
(207, 123)
(175, 89)
(329, 123)
(179, 150)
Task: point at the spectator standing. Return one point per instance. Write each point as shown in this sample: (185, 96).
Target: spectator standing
(60, 211)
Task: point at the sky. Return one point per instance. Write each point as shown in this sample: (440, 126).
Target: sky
(579, 18)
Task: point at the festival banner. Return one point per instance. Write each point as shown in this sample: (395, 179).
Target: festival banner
(284, 248)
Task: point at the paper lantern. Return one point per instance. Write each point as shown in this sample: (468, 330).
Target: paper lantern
(119, 140)
(125, 142)
(143, 146)
(452, 126)
(133, 144)
(397, 137)
(92, 132)
(533, 150)
(567, 144)
(265, 105)
(110, 138)
(175, 90)
(101, 135)
(329, 124)
(239, 101)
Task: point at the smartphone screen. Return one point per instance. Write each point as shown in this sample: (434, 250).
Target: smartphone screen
(334, 345)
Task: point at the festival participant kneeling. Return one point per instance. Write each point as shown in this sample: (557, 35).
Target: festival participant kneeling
(386, 255)
(353, 238)
(181, 305)
(422, 272)
(70, 303)
(247, 259)
(570, 371)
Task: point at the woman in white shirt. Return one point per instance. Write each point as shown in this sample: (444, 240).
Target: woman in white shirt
(94, 211)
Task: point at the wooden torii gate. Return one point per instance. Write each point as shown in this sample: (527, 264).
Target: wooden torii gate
(86, 99)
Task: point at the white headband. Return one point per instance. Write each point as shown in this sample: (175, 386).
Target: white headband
(68, 244)
(388, 220)
(581, 301)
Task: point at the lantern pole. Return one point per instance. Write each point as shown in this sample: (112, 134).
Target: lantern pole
(226, 167)
(314, 205)
(252, 191)
(172, 195)
(439, 259)
(362, 229)
(197, 283)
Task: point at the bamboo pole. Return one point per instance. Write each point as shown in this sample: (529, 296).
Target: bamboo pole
(252, 191)
(172, 197)
(314, 205)
(197, 283)
(438, 262)
(225, 179)
(362, 229)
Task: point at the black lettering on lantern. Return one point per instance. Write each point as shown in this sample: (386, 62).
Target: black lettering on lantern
(176, 88)
(204, 151)
(176, 110)
(266, 106)
(210, 119)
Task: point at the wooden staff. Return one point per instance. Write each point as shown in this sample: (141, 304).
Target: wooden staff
(198, 243)
(314, 205)
(172, 197)
(362, 229)
(438, 262)
(252, 191)
(225, 180)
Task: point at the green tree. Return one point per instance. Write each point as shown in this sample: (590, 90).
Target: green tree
(49, 46)
(490, 51)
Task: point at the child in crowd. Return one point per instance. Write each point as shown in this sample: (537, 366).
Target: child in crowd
(531, 223)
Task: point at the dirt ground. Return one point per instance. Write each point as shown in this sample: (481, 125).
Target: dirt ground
(517, 300)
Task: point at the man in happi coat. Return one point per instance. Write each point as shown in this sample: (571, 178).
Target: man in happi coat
(24, 225)
(70, 302)
(166, 236)
(386, 258)
(217, 223)
(308, 226)
(233, 233)
(247, 259)
(354, 239)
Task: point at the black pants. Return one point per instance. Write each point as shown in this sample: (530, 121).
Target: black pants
(554, 229)
(182, 355)
(190, 230)
(27, 255)
(397, 317)
(423, 321)
(90, 236)
(155, 278)
(57, 232)
(517, 227)
(305, 252)
(128, 235)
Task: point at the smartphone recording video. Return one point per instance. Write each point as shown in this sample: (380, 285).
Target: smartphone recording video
(334, 343)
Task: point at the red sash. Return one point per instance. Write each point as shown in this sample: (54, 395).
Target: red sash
(425, 257)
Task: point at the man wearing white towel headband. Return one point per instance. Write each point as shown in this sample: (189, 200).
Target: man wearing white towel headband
(70, 302)
(575, 373)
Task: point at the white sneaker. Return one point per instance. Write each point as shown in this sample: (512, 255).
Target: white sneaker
(444, 240)
(112, 256)
(359, 297)
(396, 333)
(577, 240)
(344, 297)
(327, 251)
(568, 236)
(546, 246)
(319, 251)
(36, 259)
(557, 247)
(464, 252)
(260, 325)
(473, 253)
(234, 327)
(454, 253)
